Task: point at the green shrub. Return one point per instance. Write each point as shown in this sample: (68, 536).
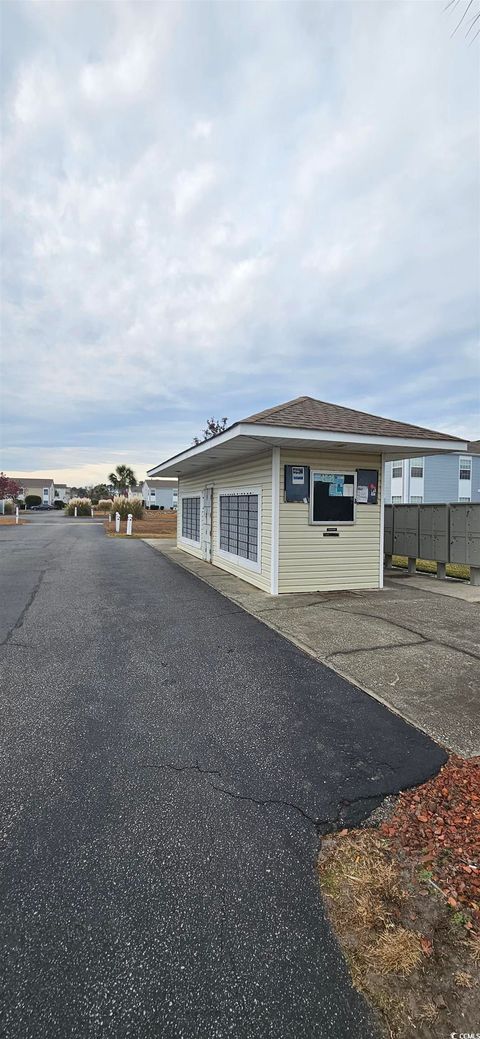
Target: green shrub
(32, 499)
(59, 504)
(9, 508)
(83, 506)
(124, 506)
(105, 505)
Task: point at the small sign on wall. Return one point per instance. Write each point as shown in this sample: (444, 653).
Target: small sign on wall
(297, 483)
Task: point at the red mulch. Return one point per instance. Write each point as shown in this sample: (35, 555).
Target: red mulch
(438, 826)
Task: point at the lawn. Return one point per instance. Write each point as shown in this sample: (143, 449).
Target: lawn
(153, 525)
(426, 566)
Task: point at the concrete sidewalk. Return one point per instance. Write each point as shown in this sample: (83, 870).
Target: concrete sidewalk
(410, 645)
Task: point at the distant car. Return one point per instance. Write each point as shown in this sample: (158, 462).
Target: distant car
(40, 508)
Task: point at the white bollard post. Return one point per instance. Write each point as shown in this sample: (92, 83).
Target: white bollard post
(109, 517)
(117, 522)
(16, 514)
(75, 512)
(129, 523)
(91, 511)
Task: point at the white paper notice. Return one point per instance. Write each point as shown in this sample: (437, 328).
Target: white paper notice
(362, 495)
(348, 490)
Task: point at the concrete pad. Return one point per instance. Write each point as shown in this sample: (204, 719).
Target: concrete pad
(433, 687)
(428, 582)
(447, 621)
(326, 633)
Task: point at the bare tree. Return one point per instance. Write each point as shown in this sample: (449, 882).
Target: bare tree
(213, 427)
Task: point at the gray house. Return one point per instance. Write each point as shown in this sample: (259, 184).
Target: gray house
(435, 478)
(158, 494)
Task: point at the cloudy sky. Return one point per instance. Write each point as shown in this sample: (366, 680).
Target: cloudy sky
(213, 207)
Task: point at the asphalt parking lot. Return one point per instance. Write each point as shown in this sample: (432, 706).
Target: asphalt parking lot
(167, 765)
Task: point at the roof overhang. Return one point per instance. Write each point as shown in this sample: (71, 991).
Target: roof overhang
(245, 439)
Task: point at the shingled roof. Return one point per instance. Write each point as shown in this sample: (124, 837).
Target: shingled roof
(308, 413)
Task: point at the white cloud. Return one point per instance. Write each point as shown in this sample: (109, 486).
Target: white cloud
(191, 227)
(202, 129)
(191, 186)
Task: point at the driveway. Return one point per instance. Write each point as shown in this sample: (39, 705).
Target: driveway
(166, 765)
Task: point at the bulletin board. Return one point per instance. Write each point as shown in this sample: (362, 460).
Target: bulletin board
(333, 498)
(367, 486)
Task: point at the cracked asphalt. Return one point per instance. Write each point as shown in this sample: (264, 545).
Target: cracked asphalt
(167, 766)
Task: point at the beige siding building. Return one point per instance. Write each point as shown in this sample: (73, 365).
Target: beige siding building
(291, 499)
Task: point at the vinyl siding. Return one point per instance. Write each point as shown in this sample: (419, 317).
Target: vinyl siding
(254, 473)
(308, 561)
(440, 479)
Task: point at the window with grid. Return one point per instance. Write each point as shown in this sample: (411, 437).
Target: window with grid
(416, 499)
(464, 499)
(396, 499)
(416, 467)
(239, 516)
(191, 518)
(465, 469)
(397, 470)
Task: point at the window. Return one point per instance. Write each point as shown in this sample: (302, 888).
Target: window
(465, 472)
(396, 499)
(332, 498)
(45, 492)
(465, 499)
(416, 499)
(416, 467)
(239, 526)
(397, 470)
(152, 494)
(191, 519)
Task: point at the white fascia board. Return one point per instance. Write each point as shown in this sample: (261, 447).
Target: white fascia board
(393, 446)
(198, 449)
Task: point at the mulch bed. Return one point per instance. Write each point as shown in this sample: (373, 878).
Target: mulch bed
(437, 826)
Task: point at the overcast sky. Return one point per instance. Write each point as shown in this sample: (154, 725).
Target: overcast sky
(214, 207)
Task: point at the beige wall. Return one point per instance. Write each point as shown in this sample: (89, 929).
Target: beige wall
(310, 562)
(307, 560)
(252, 474)
(38, 490)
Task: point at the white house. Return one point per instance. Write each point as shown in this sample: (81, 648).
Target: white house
(160, 493)
(62, 492)
(291, 499)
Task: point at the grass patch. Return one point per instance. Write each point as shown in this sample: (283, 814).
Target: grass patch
(419, 972)
(427, 566)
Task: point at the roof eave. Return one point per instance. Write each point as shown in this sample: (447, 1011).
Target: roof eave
(392, 447)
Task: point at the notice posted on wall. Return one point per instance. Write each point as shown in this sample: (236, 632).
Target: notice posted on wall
(298, 474)
(336, 485)
(348, 490)
(367, 486)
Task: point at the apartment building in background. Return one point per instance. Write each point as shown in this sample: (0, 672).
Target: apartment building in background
(435, 478)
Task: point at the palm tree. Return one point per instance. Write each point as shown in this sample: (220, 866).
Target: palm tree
(122, 479)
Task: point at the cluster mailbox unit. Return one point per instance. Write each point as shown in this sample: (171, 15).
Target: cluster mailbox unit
(442, 533)
(290, 499)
